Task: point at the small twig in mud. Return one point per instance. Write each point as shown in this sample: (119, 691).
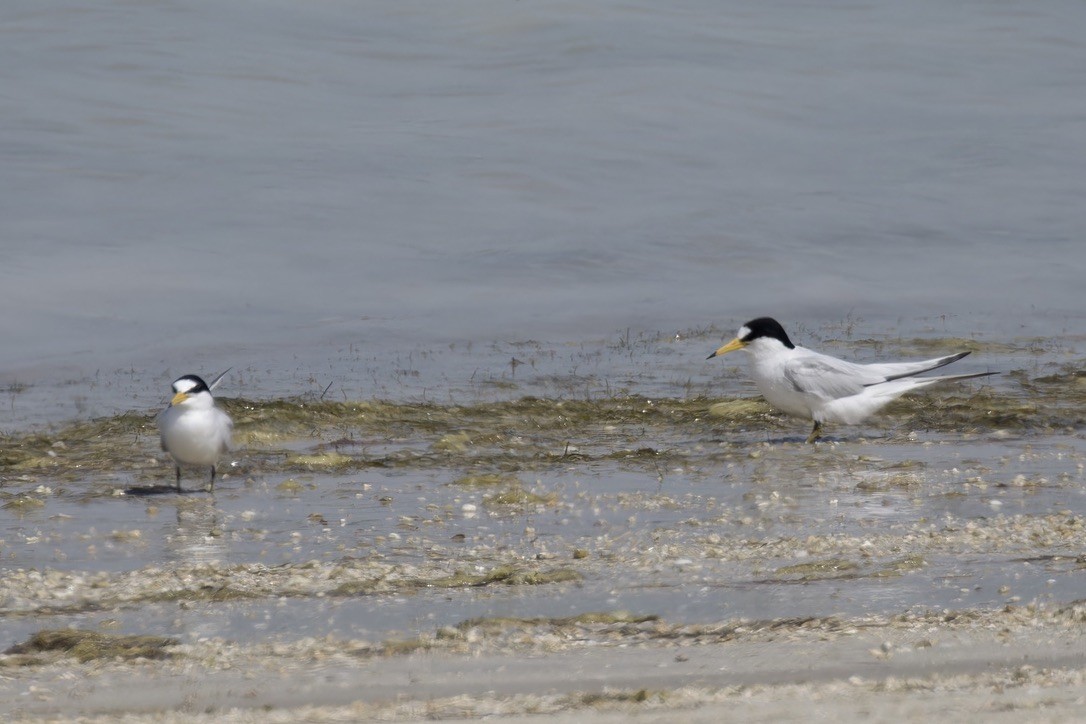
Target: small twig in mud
(326, 389)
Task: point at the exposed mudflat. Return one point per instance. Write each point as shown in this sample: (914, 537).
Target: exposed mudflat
(581, 552)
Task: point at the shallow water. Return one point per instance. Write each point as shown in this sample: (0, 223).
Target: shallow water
(480, 215)
(955, 499)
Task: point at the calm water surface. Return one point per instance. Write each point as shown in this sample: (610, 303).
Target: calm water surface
(192, 186)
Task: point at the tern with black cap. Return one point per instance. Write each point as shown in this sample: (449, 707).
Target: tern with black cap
(814, 386)
(192, 429)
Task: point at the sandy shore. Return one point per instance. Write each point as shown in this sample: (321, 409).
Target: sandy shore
(1022, 664)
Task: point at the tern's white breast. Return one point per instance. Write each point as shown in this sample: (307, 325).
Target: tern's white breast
(195, 437)
(768, 374)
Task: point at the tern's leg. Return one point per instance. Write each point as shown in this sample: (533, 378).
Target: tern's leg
(815, 432)
(178, 469)
(211, 485)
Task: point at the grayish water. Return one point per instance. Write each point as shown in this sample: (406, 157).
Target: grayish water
(400, 198)
(189, 186)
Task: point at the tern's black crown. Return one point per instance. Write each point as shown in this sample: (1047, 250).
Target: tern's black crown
(190, 384)
(767, 327)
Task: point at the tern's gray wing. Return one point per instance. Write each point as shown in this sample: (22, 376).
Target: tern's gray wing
(897, 370)
(828, 377)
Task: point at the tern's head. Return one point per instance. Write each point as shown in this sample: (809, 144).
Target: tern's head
(761, 332)
(191, 390)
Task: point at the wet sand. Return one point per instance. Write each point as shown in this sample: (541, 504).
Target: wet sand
(1021, 664)
(595, 554)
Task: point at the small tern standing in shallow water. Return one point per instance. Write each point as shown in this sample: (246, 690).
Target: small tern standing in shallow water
(193, 431)
(815, 386)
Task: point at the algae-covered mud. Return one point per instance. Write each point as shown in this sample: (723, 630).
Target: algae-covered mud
(547, 516)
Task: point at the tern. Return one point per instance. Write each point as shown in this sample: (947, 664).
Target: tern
(192, 430)
(814, 386)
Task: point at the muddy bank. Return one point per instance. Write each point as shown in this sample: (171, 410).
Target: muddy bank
(590, 553)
